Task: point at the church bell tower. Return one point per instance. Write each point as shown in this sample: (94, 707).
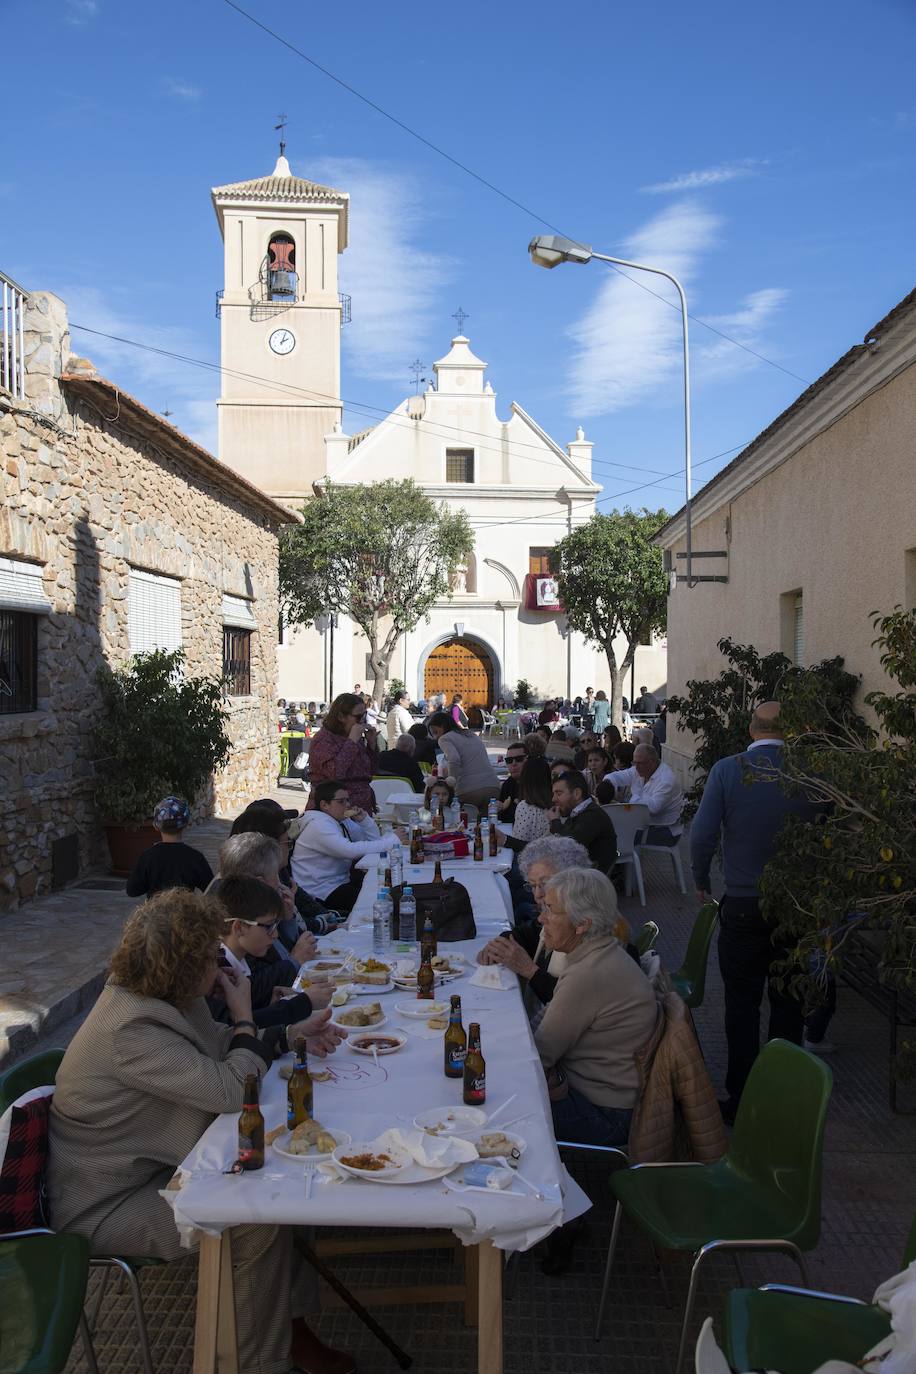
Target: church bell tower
(280, 316)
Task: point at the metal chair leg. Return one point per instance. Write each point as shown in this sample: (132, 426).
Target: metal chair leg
(88, 1347)
(139, 1314)
(612, 1246)
(99, 1297)
(688, 1310)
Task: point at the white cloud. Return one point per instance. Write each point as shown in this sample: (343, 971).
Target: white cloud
(179, 89)
(707, 176)
(79, 12)
(717, 358)
(158, 382)
(628, 344)
(392, 281)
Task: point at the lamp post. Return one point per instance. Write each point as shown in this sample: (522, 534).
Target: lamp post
(549, 250)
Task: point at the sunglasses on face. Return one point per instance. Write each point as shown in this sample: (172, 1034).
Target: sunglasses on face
(261, 925)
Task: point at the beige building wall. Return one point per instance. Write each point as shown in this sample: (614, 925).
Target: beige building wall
(93, 487)
(835, 522)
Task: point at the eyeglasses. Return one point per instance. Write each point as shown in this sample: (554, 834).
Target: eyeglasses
(345, 800)
(261, 925)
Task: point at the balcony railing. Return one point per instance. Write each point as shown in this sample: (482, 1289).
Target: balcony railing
(12, 346)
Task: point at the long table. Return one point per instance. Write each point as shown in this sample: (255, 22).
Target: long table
(364, 1099)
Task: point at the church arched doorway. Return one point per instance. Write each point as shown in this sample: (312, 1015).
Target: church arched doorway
(460, 665)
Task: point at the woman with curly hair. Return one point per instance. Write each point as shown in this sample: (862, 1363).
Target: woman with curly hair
(345, 750)
(142, 1079)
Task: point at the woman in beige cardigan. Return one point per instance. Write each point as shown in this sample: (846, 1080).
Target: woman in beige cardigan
(142, 1079)
(602, 1012)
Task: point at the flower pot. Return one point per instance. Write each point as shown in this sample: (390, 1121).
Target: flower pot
(126, 843)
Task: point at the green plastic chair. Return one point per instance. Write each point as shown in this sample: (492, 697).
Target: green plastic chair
(42, 1290)
(689, 981)
(796, 1330)
(36, 1072)
(644, 940)
(765, 1194)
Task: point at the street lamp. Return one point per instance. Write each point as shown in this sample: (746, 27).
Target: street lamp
(549, 250)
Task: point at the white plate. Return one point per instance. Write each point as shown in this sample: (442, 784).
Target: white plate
(370, 989)
(518, 1141)
(371, 1032)
(342, 1138)
(333, 952)
(457, 960)
(402, 1174)
(332, 966)
(355, 1030)
(458, 1120)
(421, 1009)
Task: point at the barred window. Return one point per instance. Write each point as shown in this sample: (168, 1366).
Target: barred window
(237, 661)
(18, 662)
(459, 465)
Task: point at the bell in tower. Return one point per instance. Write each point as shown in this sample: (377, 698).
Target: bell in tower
(281, 268)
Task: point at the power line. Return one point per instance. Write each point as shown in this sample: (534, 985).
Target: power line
(504, 195)
(436, 428)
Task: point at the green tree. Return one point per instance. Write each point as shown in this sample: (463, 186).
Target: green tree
(382, 554)
(858, 869)
(717, 710)
(612, 583)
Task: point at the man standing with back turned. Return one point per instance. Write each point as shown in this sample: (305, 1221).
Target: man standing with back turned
(743, 798)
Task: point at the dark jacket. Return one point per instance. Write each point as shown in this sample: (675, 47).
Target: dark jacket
(396, 764)
(593, 828)
(509, 790)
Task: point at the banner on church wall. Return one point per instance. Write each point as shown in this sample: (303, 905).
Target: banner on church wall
(542, 593)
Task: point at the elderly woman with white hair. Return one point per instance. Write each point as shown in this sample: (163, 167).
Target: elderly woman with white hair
(602, 1012)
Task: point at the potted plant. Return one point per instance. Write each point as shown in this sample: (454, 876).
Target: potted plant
(159, 732)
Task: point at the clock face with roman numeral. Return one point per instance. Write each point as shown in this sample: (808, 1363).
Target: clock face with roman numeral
(282, 341)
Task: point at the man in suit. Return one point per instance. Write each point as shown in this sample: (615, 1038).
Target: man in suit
(576, 814)
(744, 802)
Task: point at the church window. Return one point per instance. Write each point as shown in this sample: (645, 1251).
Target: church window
(539, 562)
(459, 465)
(281, 268)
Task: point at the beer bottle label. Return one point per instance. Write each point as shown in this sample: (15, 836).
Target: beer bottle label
(246, 1147)
(477, 1087)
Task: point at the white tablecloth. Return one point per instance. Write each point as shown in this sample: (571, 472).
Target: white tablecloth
(365, 1099)
(451, 868)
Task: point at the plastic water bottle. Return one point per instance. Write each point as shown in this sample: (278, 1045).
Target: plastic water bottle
(454, 815)
(407, 931)
(414, 819)
(396, 863)
(382, 908)
(492, 811)
(485, 836)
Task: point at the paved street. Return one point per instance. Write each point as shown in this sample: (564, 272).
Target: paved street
(869, 1198)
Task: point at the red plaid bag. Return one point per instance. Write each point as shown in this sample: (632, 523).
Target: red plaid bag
(22, 1202)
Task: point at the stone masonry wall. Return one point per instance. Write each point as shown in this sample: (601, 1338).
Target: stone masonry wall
(88, 499)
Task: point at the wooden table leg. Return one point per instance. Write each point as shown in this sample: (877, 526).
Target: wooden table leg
(490, 1309)
(215, 1338)
(471, 1284)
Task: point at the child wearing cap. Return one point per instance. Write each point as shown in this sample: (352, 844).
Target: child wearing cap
(171, 862)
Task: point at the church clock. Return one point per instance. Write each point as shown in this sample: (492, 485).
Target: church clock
(282, 341)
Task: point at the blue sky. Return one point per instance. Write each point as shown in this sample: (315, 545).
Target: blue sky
(766, 153)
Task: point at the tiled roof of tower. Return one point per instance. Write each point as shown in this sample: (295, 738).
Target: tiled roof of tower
(279, 188)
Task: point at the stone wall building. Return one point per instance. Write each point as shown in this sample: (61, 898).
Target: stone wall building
(117, 534)
(813, 526)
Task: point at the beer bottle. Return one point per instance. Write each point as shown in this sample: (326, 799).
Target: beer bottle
(416, 846)
(439, 819)
(388, 883)
(456, 1042)
(428, 942)
(251, 1127)
(478, 843)
(299, 1092)
(437, 872)
(475, 1070)
(493, 840)
(426, 979)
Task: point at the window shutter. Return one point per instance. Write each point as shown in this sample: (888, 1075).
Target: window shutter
(799, 637)
(238, 613)
(154, 612)
(21, 587)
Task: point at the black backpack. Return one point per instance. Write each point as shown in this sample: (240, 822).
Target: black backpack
(449, 906)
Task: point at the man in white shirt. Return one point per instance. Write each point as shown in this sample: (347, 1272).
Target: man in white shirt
(399, 719)
(653, 784)
(332, 838)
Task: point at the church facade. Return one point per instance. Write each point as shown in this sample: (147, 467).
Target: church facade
(282, 426)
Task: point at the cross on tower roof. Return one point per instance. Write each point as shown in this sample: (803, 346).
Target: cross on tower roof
(460, 316)
(416, 368)
(282, 128)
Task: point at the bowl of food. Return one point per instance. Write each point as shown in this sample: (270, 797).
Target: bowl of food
(366, 1159)
(376, 1042)
(449, 965)
(309, 1141)
(420, 1008)
(452, 1120)
(370, 973)
(360, 1016)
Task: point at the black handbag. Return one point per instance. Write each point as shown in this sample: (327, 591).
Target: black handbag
(449, 906)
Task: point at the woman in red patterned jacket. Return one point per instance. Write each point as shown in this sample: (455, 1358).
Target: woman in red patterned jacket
(345, 749)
